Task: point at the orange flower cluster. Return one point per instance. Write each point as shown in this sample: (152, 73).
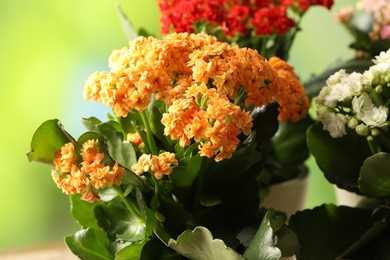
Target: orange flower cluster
(159, 165)
(206, 83)
(209, 118)
(74, 178)
(293, 103)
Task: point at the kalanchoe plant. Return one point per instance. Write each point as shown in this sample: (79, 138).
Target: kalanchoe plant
(269, 27)
(350, 143)
(354, 112)
(173, 171)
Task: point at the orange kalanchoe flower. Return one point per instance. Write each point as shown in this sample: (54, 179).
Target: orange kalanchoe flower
(158, 165)
(134, 138)
(293, 104)
(90, 174)
(207, 85)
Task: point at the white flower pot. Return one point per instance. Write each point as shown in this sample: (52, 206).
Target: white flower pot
(288, 196)
(347, 198)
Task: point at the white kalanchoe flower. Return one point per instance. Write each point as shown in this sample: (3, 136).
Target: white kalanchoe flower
(354, 80)
(335, 124)
(376, 74)
(340, 86)
(321, 98)
(383, 57)
(380, 69)
(368, 113)
(337, 77)
(367, 79)
(321, 110)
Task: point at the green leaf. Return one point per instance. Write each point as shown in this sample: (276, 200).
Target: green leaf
(155, 122)
(120, 151)
(83, 212)
(371, 234)
(291, 137)
(126, 23)
(185, 174)
(339, 158)
(329, 231)
(47, 140)
(374, 175)
(156, 249)
(91, 123)
(198, 244)
(89, 244)
(242, 161)
(107, 194)
(132, 251)
(117, 221)
(263, 245)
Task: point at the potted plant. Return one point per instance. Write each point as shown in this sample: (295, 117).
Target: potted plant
(350, 144)
(269, 27)
(173, 172)
(369, 26)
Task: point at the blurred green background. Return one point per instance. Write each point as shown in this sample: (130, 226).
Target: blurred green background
(47, 50)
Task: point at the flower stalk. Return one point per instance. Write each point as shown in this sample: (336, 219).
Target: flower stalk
(130, 205)
(151, 143)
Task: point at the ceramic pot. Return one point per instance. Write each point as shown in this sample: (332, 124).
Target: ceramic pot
(288, 196)
(347, 198)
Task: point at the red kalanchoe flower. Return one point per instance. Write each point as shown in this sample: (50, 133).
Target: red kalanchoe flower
(235, 20)
(271, 20)
(182, 15)
(305, 4)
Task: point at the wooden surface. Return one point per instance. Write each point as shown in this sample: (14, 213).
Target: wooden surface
(49, 252)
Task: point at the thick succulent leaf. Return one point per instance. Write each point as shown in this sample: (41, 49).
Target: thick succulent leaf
(117, 221)
(198, 244)
(132, 251)
(374, 175)
(89, 244)
(330, 231)
(263, 245)
(91, 123)
(340, 159)
(185, 174)
(47, 140)
(83, 212)
(372, 237)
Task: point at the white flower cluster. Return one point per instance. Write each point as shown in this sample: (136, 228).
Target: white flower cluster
(357, 100)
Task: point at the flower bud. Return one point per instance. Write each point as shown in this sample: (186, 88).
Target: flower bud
(362, 130)
(353, 123)
(387, 78)
(375, 132)
(379, 89)
(370, 138)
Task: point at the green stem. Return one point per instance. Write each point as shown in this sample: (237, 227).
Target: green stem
(374, 147)
(384, 140)
(199, 184)
(152, 144)
(133, 209)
